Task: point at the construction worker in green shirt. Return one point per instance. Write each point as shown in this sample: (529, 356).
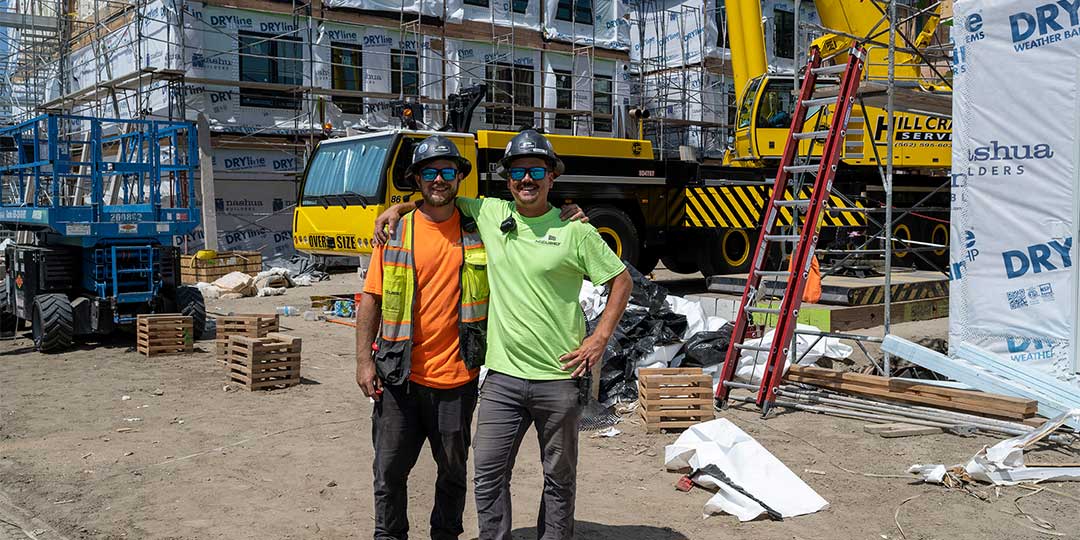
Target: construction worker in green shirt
(537, 349)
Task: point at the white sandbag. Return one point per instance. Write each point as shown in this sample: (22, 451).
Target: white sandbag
(592, 300)
(695, 314)
(660, 357)
(208, 290)
(748, 465)
(714, 323)
(271, 291)
(808, 350)
(236, 282)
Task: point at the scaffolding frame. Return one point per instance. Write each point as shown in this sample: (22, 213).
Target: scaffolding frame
(896, 96)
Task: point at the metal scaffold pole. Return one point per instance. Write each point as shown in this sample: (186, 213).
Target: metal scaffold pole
(886, 362)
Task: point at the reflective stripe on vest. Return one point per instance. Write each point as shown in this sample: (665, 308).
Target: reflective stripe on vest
(399, 283)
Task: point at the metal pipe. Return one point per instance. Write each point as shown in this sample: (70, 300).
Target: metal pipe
(960, 416)
(886, 417)
(939, 416)
(891, 109)
(849, 414)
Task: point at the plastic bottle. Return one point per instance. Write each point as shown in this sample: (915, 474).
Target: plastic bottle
(288, 311)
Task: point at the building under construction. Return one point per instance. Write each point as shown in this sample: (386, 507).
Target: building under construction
(273, 78)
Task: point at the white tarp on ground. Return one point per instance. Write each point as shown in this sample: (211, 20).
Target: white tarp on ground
(1017, 74)
(1003, 464)
(748, 465)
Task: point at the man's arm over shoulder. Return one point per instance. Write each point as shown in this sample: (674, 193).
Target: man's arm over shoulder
(469, 206)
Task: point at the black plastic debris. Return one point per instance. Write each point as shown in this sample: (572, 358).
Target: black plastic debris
(646, 323)
(705, 349)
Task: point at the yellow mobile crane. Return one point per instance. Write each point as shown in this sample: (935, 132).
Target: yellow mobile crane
(921, 151)
(692, 215)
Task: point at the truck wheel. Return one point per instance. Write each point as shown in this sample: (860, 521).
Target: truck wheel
(680, 263)
(53, 323)
(934, 233)
(617, 229)
(648, 260)
(191, 303)
(725, 251)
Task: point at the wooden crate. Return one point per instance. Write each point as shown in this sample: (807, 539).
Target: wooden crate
(266, 362)
(164, 334)
(194, 270)
(674, 398)
(254, 325)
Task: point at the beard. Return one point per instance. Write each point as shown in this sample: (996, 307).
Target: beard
(438, 198)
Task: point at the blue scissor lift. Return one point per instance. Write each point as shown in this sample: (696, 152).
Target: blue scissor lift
(94, 204)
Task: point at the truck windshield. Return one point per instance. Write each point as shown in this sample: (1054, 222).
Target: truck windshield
(347, 172)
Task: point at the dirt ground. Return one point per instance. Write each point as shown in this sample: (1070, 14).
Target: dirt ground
(77, 460)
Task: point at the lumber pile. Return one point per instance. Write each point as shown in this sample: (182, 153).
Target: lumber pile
(164, 334)
(674, 398)
(272, 361)
(905, 391)
(986, 371)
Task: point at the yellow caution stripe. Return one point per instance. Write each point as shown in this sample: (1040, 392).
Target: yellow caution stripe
(743, 207)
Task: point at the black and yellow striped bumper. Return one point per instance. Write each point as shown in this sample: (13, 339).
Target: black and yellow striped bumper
(743, 207)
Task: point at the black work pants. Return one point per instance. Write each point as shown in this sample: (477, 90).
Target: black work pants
(405, 417)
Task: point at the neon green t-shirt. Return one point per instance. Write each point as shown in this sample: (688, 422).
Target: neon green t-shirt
(535, 273)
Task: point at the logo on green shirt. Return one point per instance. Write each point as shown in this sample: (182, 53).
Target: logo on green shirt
(549, 241)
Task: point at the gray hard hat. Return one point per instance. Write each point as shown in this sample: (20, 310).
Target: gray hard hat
(437, 147)
(529, 143)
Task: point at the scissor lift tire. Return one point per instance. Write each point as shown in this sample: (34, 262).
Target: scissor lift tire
(53, 323)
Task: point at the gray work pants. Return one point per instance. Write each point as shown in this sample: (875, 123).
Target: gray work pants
(508, 406)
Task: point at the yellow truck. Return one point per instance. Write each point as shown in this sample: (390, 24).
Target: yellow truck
(692, 215)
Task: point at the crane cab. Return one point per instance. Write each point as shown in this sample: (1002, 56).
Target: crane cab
(764, 118)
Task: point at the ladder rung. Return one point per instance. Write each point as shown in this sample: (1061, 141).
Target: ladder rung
(819, 101)
(811, 135)
(781, 238)
(803, 203)
(746, 347)
(771, 311)
(801, 168)
(850, 132)
(853, 156)
(830, 70)
(773, 273)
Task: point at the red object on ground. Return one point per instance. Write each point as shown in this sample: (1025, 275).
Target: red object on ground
(684, 484)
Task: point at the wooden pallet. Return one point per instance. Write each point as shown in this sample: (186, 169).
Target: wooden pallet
(194, 270)
(674, 398)
(253, 325)
(164, 334)
(272, 361)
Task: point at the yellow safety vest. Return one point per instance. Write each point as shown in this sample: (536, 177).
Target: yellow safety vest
(394, 355)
